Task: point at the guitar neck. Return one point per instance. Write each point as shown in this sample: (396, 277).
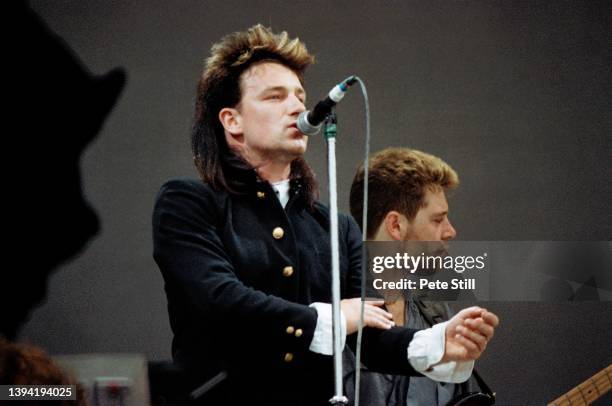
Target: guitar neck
(588, 391)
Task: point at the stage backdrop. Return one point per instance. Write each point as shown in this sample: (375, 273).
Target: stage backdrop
(516, 96)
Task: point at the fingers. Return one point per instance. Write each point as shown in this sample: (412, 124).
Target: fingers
(490, 318)
(379, 311)
(469, 332)
(377, 317)
(478, 317)
(479, 340)
(373, 314)
(478, 330)
(472, 352)
(480, 326)
(470, 312)
(485, 324)
(377, 322)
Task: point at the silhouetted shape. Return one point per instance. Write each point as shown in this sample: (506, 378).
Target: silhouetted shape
(56, 107)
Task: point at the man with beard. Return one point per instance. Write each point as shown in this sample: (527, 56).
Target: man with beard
(407, 202)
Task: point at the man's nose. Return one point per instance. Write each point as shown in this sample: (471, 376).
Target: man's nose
(296, 106)
(449, 232)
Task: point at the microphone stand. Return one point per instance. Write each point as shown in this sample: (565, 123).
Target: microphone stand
(329, 132)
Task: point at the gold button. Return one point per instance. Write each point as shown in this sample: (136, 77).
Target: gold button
(278, 233)
(288, 357)
(298, 332)
(287, 271)
(290, 330)
(261, 195)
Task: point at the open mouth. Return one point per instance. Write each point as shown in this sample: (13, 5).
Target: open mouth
(298, 133)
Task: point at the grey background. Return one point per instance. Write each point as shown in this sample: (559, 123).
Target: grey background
(516, 96)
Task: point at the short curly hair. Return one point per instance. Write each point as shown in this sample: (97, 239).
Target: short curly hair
(26, 364)
(398, 179)
(219, 87)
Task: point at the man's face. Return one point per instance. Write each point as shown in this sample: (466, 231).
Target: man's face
(272, 99)
(431, 222)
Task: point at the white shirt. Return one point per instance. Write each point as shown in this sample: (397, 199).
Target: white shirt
(281, 189)
(425, 349)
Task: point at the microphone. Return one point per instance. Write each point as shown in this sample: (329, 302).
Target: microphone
(310, 122)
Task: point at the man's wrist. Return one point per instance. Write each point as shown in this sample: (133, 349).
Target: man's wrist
(322, 339)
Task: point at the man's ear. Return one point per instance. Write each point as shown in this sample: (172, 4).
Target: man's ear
(231, 120)
(395, 225)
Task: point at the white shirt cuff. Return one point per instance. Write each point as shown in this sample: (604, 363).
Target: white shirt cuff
(323, 339)
(427, 349)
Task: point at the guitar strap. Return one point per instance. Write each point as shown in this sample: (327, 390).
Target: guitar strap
(433, 312)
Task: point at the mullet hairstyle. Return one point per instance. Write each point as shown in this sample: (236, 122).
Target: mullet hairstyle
(219, 87)
(398, 180)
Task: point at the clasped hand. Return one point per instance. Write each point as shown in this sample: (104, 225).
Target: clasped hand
(466, 337)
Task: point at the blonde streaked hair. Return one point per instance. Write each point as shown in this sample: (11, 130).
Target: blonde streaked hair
(239, 50)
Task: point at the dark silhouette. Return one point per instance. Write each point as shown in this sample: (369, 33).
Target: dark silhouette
(55, 108)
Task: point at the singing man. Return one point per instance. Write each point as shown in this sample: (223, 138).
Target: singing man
(244, 250)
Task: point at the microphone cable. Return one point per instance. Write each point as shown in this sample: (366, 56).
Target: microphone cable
(364, 227)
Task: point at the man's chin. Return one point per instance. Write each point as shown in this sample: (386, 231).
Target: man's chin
(297, 148)
(287, 152)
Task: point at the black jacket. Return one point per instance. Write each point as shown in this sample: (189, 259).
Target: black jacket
(240, 272)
